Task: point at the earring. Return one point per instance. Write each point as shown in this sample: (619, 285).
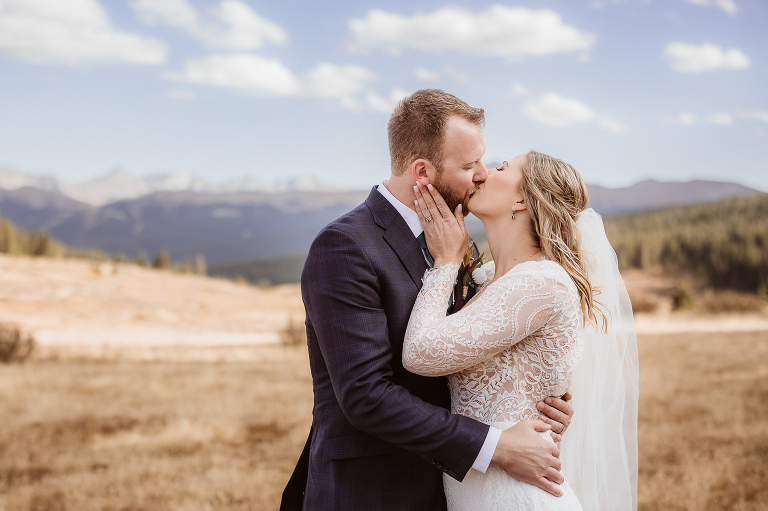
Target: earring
(513, 214)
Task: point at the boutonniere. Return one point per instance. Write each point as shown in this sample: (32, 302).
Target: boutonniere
(471, 271)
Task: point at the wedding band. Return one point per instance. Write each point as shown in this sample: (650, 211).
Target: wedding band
(562, 430)
(428, 219)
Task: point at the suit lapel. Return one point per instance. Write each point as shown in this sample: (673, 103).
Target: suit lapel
(398, 236)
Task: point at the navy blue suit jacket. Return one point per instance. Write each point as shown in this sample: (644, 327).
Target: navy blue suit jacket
(380, 435)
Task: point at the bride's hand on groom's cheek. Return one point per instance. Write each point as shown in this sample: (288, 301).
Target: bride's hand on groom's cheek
(446, 235)
(557, 412)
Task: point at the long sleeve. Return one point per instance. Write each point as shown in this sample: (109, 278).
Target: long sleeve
(506, 312)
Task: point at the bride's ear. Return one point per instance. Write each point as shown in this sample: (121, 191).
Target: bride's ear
(420, 170)
(518, 206)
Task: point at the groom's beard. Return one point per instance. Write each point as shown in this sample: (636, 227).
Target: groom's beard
(453, 197)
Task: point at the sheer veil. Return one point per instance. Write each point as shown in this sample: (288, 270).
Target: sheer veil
(599, 450)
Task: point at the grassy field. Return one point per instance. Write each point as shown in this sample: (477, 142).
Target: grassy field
(170, 435)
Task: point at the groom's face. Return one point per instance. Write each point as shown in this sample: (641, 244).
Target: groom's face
(463, 170)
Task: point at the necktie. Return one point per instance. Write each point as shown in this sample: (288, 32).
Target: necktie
(423, 242)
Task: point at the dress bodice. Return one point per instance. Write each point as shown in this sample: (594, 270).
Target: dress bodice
(514, 344)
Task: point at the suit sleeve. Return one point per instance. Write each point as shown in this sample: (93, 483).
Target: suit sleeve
(342, 295)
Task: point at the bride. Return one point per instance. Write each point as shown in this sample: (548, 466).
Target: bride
(550, 313)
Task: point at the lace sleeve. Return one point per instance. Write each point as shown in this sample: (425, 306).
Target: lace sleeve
(509, 310)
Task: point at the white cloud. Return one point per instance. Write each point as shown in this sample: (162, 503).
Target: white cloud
(612, 125)
(683, 119)
(385, 105)
(728, 6)
(243, 73)
(499, 30)
(555, 110)
(252, 74)
(231, 25)
(174, 13)
(427, 75)
(722, 119)
(691, 58)
(375, 102)
(552, 109)
(72, 32)
(331, 81)
(518, 89)
(758, 115)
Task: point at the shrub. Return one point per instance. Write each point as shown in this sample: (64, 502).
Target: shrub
(15, 346)
(682, 298)
(163, 260)
(293, 334)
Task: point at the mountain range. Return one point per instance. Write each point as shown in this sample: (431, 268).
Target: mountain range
(241, 221)
(120, 185)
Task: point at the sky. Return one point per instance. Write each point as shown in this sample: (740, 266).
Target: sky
(624, 90)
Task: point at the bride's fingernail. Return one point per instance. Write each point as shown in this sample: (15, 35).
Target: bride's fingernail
(429, 186)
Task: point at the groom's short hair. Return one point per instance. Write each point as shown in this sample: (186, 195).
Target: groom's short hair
(417, 127)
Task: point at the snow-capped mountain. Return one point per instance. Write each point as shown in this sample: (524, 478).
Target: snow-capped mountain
(120, 185)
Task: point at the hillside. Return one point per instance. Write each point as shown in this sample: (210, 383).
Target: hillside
(725, 242)
(651, 194)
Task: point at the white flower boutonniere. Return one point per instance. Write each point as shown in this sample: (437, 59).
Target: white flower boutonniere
(478, 276)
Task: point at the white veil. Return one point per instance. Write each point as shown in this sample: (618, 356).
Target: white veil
(599, 450)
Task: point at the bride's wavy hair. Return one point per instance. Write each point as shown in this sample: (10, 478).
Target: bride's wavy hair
(554, 195)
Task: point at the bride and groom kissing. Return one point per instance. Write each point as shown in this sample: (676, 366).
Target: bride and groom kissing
(396, 299)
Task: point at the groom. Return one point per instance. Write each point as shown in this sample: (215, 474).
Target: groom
(381, 436)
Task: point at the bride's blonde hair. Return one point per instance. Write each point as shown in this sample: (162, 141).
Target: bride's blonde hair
(554, 195)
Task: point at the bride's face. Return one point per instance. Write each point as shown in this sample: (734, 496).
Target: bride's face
(501, 190)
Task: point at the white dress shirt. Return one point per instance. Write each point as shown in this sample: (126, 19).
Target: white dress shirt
(411, 218)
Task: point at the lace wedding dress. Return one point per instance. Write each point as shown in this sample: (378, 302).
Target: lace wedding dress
(516, 343)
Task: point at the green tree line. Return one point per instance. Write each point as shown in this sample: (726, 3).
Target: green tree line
(725, 242)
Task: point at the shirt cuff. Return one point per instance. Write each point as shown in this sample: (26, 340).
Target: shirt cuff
(483, 459)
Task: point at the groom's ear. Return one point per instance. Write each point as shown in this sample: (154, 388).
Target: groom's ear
(420, 170)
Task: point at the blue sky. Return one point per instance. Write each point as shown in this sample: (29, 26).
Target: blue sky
(624, 90)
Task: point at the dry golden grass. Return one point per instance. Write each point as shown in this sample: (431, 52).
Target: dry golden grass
(703, 428)
(127, 435)
(111, 435)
